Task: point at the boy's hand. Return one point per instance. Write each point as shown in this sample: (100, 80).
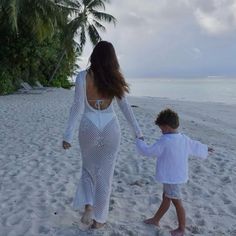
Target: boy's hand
(210, 150)
(66, 145)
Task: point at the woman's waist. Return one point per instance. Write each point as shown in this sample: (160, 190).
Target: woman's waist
(100, 119)
(99, 114)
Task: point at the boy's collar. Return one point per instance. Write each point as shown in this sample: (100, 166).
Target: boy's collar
(175, 132)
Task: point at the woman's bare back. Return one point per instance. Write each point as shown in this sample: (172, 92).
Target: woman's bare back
(95, 99)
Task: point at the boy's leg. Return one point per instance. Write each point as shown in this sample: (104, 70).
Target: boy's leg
(173, 191)
(181, 218)
(165, 204)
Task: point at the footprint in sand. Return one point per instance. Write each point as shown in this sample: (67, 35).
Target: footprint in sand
(226, 200)
(13, 219)
(21, 229)
(195, 229)
(201, 222)
(119, 189)
(42, 211)
(233, 233)
(69, 232)
(232, 209)
(226, 180)
(43, 230)
(31, 165)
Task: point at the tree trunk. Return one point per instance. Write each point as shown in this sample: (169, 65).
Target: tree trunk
(57, 67)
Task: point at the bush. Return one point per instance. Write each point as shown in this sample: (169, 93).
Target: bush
(56, 83)
(61, 81)
(66, 84)
(6, 85)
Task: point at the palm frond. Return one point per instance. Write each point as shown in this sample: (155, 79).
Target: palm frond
(102, 16)
(82, 38)
(93, 34)
(72, 5)
(10, 10)
(91, 4)
(99, 25)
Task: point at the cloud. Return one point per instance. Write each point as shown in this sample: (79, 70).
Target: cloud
(162, 38)
(217, 18)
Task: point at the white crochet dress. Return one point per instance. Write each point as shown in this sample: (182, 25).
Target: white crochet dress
(99, 139)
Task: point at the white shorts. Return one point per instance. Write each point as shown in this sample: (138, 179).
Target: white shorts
(172, 191)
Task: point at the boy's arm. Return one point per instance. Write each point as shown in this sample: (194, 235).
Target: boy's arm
(198, 149)
(145, 150)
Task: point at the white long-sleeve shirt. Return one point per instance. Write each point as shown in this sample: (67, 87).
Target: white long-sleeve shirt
(172, 152)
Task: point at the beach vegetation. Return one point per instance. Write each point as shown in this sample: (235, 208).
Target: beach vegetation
(6, 85)
(43, 40)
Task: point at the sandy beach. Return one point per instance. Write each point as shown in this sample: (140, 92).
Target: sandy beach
(38, 178)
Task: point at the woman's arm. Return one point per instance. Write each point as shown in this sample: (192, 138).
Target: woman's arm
(77, 107)
(129, 115)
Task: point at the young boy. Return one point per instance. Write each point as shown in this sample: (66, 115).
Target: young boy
(172, 151)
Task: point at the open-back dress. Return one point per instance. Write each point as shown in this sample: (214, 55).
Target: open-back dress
(99, 139)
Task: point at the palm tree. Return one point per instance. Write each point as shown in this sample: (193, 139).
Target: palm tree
(34, 17)
(89, 20)
(39, 19)
(8, 14)
(86, 19)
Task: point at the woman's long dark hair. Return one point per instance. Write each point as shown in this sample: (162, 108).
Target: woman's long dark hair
(106, 71)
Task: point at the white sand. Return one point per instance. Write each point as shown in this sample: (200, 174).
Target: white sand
(38, 178)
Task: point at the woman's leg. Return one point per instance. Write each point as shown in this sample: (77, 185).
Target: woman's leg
(87, 215)
(102, 197)
(84, 196)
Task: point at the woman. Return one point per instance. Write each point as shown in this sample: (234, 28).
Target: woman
(99, 131)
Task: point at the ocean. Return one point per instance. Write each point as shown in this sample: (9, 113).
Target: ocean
(218, 90)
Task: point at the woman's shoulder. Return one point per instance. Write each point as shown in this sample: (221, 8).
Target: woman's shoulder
(81, 75)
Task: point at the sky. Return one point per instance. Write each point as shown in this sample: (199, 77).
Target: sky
(172, 38)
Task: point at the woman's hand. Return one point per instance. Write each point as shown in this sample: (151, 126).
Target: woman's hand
(142, 138)
(66, 145)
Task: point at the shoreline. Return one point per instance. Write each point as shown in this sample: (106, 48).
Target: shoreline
(183, 100)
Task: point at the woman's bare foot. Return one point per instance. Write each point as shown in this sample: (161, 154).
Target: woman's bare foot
(96, 225)
(151, 221)
(177, 232)
(87, 215)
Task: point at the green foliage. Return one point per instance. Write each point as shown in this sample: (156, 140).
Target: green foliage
(6, 85)
(61, 82)
(56, 83)
(37, 39)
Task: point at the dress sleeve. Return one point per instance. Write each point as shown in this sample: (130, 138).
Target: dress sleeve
(150, 151)
(76, 108)
(197, 149)
(129, 115)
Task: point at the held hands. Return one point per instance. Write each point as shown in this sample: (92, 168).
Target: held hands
(142, 138)
(66, 145)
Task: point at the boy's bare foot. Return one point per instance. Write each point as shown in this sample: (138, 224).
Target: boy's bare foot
(96, 225)
(177, 232)
(87, 217)
(151, 221)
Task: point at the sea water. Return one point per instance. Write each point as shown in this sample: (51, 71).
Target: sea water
(219, 90)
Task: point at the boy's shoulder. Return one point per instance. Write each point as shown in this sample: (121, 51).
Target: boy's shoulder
(174, 136)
